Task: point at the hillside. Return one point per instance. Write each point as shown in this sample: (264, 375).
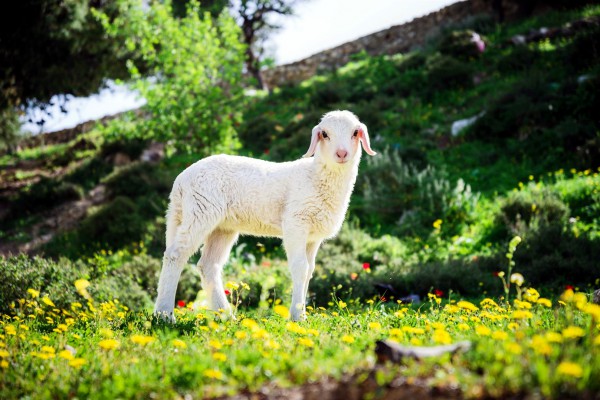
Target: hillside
(489, 164)
(526, 166)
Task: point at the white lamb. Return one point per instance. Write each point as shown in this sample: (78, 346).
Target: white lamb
(303, 201)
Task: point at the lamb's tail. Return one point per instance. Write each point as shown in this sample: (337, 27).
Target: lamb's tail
(174, 214)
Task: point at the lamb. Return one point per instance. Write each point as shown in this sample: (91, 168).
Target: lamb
(303, 202)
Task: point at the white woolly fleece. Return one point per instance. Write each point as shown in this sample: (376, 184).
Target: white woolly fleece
(302, 201)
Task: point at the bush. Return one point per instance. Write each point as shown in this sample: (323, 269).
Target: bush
(56, 279)
(527, 211)
(411, 199)
(139, 179)
(446, 72)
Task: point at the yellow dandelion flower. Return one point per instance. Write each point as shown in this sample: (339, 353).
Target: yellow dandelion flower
(522, 314)
(271, 344)
(531, 295)
(295, 328)
(312, 332)
(306, 342)
(350, 339)
(488, 303)
(592, 309)
(570, 369)
(241, 335)
(282, 311)
(514, 348)
(10, 330)
(260, 334)
(597, 341)
(213, 374)
(81, 285)
(142, 340)
(465, 305)
(483, 330)
(573, 332)
(341, 304)
(499, 335)
(109, 344)
(395, 332)
(179, 343)
(47, 301)
(544, 302)
(66, 354)
(4, 354)
(524, 305)
(540, 345)
(33, 293)
(250, 324)
(215, 344)
(416, 331)
(374, 326)
(4, 364)
(437, 224)
(441, 336)
(219, 357)
(554, 337)
(463, 327)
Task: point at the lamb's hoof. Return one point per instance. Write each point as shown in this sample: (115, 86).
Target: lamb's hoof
(166, 316)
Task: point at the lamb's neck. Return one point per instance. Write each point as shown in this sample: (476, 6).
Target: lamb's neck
(336, 182)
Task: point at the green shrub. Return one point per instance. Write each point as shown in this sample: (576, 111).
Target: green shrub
(89, 173)
(139, 179)
(56, 279)
(524, 211)
(411, 199)
(446, 72)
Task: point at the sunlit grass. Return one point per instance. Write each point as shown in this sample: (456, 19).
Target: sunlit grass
(530, 344)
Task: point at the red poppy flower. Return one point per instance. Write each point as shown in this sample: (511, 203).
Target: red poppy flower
(383, 299)
(495, 273)
(438, 292)
(181, 303)
(366, 266)
(227, 292)
(569, 287)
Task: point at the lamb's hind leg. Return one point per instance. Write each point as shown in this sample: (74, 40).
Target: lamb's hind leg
(214, 256)
(186, 242)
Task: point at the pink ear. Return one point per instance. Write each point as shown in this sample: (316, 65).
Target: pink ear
(364, 140)
(313, 142)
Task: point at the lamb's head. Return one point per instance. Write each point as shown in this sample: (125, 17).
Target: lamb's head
(336, 139)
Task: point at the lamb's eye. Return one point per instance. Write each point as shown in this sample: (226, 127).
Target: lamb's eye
(324, 134)
(355, 133)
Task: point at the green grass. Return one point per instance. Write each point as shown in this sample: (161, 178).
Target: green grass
(90, 350)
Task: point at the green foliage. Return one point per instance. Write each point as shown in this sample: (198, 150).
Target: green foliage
(128, 278)
(446, 72)
(414, 198)
(48, 48)
(459, 44)
(9, 129)
(194, 93)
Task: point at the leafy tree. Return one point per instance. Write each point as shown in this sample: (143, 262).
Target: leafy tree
(194, 92)
(255, 24)
(49, 47)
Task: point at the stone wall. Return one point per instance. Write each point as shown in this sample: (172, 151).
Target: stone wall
(397, 39)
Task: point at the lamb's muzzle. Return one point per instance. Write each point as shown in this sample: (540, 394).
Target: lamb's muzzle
(304, 202)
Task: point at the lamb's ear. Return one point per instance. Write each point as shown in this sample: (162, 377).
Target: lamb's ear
(313, 142)
(364, 139)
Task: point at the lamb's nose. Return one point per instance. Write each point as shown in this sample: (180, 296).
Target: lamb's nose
(341, 154)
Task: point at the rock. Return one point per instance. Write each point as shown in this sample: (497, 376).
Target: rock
(389, 350)
(596, 298)
(154, 153)
(461, 124)
(120, 159)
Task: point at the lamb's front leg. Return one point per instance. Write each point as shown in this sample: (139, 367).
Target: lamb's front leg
(295, 247)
